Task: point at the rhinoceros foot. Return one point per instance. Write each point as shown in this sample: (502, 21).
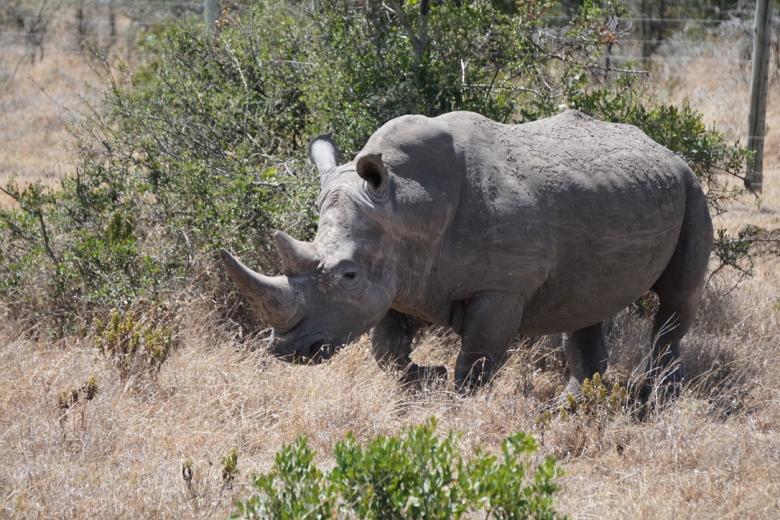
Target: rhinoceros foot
(662, 385)
(418, 377)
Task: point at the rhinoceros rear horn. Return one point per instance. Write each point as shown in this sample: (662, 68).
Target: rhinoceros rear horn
(275, 301)
(324, 153)
(297, 257)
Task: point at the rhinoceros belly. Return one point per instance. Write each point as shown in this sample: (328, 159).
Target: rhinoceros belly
(609, 246)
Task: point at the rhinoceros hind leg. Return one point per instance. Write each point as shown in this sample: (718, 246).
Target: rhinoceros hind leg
(674, 318)
(670, 324)
(391, 343)
(586, 354)
(680, 288)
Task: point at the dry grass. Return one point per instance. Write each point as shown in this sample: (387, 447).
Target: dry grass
(715, 452)
(37, 103)
(712, 453)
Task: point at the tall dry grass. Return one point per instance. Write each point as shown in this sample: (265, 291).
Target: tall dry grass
(712, 453)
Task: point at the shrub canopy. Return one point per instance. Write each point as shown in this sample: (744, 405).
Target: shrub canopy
(203, 145)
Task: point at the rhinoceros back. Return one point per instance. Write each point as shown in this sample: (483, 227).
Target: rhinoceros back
(583, 213)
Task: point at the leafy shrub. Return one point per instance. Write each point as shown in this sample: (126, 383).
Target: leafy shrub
(424, 57)
(414, 475)
(180, 161)
(203, 146)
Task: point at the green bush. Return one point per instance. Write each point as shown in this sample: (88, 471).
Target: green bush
(200, 148)
(421, 58)
(414, 475)
(204, 145)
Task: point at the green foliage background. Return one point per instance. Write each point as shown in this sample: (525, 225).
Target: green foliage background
(204, 145)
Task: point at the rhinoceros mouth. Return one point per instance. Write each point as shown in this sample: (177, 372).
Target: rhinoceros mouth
(306, 350)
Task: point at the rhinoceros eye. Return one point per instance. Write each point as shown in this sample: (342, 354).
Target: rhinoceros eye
(346, 272)
(349, 280)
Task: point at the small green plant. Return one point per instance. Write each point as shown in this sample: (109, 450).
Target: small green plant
(229, 467)
(597, 398)
(133, 342)
(66, 402)
(417, 474)
(70, 397)
(67, 399)
(89, 388)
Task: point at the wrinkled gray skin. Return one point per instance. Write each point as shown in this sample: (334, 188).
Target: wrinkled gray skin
(493, 230)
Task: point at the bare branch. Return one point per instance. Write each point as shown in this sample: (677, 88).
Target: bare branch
(422, 39)
(399, 12)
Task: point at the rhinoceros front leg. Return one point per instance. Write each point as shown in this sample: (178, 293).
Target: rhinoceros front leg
(391, 343)
(490, 323)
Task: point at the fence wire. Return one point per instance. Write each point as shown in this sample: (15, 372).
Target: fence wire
(108, 25)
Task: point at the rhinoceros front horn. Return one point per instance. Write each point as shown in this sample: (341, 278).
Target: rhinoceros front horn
(297, 257)
(272, 297)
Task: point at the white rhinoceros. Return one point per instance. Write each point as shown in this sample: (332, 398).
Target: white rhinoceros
(493, 230)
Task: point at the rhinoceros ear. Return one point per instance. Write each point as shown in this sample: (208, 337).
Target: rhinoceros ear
(371, 168)
(324, 153)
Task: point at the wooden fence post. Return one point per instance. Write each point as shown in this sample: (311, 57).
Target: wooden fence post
(211, 14)
(758, 87)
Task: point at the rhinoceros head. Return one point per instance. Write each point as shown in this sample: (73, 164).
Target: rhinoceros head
(368, 248)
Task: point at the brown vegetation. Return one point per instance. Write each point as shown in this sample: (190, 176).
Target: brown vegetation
(714, 452)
